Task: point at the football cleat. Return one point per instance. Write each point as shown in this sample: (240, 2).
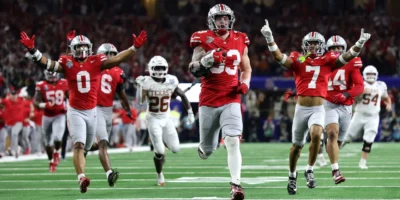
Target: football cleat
(112, 178)
(56, 157)
(338, 177)
(160, 179)
(292, 185)
(52, 167)
(311, 183)
(237, 192)
(84, 184)
(362, 164)
(201, 154)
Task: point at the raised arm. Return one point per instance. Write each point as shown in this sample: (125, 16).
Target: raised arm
(283, 59)
(124, 55)
(40, 60)
(186, 104)
(354, 50)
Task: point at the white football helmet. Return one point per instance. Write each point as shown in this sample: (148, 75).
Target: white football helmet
(370, 74)
(218, 10)
(81, 47)
(335, 41)
(106, 49)
(313, 37)
(158, 67)
(51, 76)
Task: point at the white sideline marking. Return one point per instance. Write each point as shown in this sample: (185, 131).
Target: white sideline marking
(69, 154)
(185, 188)
(227, 173)
(199, 198)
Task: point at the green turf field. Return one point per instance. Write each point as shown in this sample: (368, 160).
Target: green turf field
(264, 176)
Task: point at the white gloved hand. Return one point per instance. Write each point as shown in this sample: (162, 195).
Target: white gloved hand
(267, 33)
(190, 116)
(364, 37)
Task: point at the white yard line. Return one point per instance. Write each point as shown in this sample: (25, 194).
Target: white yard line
(199, 198)
(197, 188)
(172, 180)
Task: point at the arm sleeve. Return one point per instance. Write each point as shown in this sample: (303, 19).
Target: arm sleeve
(296, 56)
(358, 83)
(246, 39)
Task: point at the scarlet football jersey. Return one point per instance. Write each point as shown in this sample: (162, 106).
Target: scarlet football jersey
(219, 87)
(110, 78)
(38, 117)
(126, 119)
(83, 80)
(346, 79)
(12, 109)
(311, 74)
(54, 94)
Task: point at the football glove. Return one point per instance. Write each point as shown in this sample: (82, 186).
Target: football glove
(29, 43)
(364, 37)
(340, 98)
(213, 57)
(139, 40)
(242, 88)
(267, 33)
(190, 116)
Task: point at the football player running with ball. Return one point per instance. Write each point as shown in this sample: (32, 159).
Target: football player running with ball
(156, 90)
(217, 55)
(344, 85)
(83, 72)
(311, 73)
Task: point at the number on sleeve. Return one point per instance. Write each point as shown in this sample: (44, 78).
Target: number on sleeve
(83, 81)
(316, 70)
(338, 80)
(105, 83)
(230, 70)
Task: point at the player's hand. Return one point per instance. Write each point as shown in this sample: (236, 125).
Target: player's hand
(287, 95)
(129, 114)
(389, 107)
(139, 40)
(190, 116)
(242, 88)
(213, 57)
(71, 35)
(267, 33)
(364, 37)
(340, 98)
(29, 43)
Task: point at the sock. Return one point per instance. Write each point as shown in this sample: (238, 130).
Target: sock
(292, 174)
(335, 166)
(234, 158)
(363, 162)
(52, 160)
(80, 176)
(108, 173)
(160, 177)
(310, 168)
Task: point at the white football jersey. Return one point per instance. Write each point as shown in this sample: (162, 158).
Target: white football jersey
(371, 103)
(159, 94)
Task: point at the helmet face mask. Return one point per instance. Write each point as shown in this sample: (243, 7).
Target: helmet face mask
(158, 67)
(217, 19)
(81, 47)
(313, 44)
(370, 74)
(51, 76)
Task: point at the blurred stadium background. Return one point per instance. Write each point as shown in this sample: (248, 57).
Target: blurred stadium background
(170, 23)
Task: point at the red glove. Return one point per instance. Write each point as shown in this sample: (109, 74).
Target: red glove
(219, 56)
(71, 35)
(140, 40)
(29, 43)
(340, 98)
(242, 88)
(287, 95)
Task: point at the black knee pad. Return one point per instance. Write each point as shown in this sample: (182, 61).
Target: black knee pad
(158, 156)
(366, 147)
